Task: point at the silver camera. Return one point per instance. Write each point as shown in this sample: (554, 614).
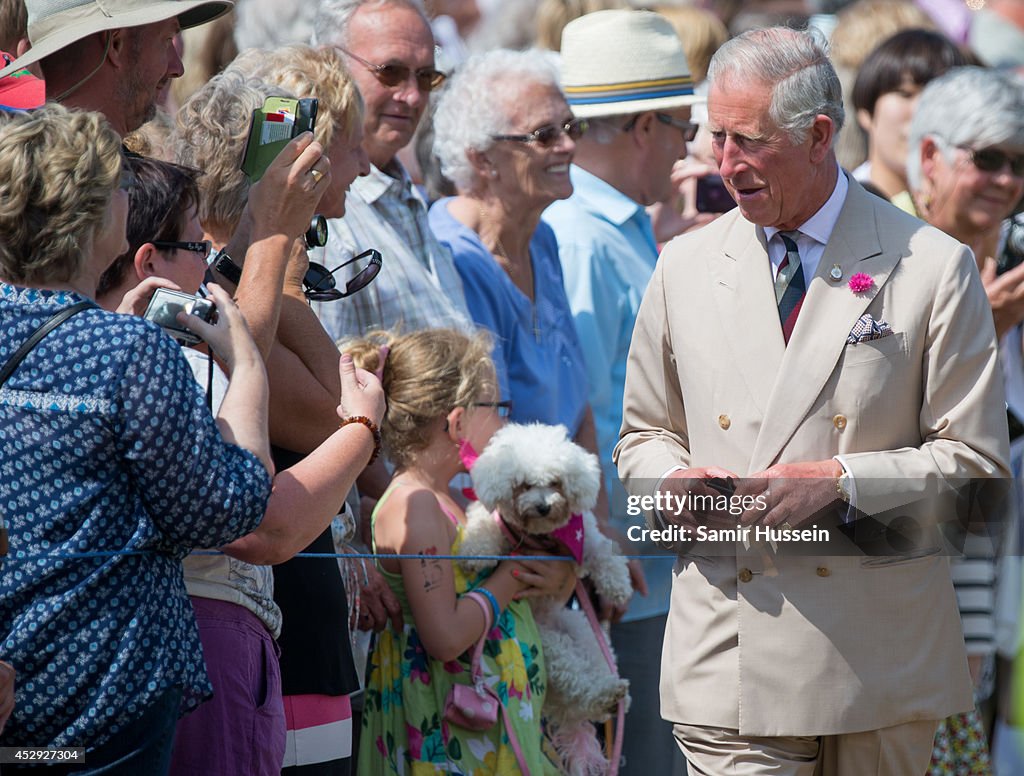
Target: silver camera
(165, 306)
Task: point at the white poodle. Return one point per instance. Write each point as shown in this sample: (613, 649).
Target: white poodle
(541, 483)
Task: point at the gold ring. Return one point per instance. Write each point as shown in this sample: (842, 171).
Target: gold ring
(785, 526)
(317, 175)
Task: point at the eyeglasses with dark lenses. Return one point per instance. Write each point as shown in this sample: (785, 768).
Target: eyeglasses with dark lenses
(392, 75)
(319, 284)
(503, 408)
(992, 160)
(548, 135)
(203, 246)
(688, 128)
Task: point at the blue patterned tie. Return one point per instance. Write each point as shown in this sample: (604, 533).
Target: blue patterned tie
(789, 285)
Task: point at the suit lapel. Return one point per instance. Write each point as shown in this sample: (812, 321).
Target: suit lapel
(828, 314)
(741, 280)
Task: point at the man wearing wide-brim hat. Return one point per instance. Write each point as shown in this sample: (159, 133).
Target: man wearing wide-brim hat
(626, 73)
(112, 56)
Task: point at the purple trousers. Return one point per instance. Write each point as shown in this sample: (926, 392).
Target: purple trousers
(241, 731)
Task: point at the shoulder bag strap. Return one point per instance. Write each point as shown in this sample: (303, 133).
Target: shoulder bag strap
(49, 325)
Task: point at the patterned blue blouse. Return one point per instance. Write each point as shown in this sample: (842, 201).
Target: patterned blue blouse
(106, 444)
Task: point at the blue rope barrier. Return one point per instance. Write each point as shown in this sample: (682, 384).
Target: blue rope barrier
(349, 555)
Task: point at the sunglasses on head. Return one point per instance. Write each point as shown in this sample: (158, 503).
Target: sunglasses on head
(392, 75)
(319, 284)
(202, 246)
(548, 135)
(688, 128)
(992, 160)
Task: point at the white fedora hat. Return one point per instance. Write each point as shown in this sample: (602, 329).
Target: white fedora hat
(55, 24)
(623, 61)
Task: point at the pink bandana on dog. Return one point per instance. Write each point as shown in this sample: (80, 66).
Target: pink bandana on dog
(570, 536)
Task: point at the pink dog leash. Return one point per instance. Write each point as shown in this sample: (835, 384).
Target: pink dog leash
(620, 714)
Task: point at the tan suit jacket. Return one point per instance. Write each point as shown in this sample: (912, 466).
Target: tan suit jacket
(775, 644)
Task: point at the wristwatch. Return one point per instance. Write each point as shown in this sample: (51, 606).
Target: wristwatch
(226, 266)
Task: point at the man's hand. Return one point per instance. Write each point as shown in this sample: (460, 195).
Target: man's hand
(1005, 294)
(378, 604)
(679, 213)
(792, 492)
(693, 482)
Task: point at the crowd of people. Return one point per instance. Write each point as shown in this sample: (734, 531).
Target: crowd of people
(727, 256)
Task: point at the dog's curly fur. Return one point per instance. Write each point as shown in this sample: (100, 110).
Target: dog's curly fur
(536, 478)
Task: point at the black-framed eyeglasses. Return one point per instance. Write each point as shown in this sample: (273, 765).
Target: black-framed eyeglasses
(392, 75)
(688, 128)
(993, 159)
(202, 246)
(319, 284)
(503, 408)
(548, 135)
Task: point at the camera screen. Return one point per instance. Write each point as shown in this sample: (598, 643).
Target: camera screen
(165, 306)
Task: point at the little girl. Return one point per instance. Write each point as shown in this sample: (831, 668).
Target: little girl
(442, 408)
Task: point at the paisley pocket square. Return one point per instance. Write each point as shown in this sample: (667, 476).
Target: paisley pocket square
(867, 328)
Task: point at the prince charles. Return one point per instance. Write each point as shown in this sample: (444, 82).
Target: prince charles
(814, 346)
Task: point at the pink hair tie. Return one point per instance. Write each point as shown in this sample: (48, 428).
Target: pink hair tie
(382, 356)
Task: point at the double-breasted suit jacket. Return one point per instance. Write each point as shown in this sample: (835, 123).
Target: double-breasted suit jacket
(787, 644)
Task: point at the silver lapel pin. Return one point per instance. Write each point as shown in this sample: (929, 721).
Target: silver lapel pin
(836, 273)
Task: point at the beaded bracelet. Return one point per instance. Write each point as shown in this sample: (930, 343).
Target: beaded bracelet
(494, 601)
(373, 430)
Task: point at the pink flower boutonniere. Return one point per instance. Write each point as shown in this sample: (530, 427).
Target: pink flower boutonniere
(859, 283)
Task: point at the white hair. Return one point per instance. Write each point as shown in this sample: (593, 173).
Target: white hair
(330, 25)
(476, 103)
(966, 106)
(796, 65)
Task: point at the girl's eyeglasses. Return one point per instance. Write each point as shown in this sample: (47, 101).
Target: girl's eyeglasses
(203, 246)
(548, 135)
(319, 284)
(503, 408)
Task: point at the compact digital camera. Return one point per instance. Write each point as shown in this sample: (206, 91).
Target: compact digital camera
(165, 306)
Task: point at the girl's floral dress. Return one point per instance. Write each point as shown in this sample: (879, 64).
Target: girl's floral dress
(403, 730)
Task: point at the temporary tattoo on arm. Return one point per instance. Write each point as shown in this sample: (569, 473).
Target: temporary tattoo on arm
(431, 569)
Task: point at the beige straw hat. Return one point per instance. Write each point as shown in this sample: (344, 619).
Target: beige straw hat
(622, 61)
(54, 24)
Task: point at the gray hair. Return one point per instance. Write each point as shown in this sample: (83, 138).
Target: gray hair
(796, 65)
(330, 25)
(476, 103)
(966, 106)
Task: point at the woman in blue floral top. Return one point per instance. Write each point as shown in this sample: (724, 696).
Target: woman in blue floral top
(107, 452)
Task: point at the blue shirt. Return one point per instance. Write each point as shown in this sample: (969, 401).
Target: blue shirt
(106, 444)
(608, 253)
(536, 351)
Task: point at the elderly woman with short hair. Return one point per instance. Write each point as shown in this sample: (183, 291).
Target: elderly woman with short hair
(966, 173)
(508, 151)
(113, 468)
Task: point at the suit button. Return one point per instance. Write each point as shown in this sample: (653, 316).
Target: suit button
(839, 421)
(746, 575)
(724, 422)
(824, 572)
